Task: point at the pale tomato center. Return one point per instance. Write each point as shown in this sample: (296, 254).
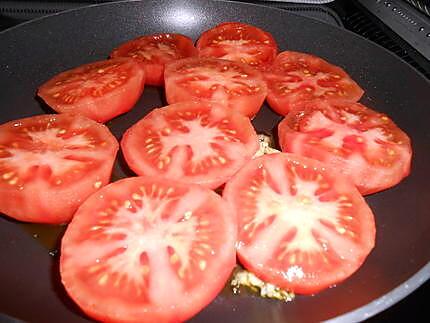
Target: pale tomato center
(198, 138)
(370, 138)
(47, 149)
(222, 81)
(155, 238)
(155, 51)
(294, 218)
(309, 82)
(95, 81)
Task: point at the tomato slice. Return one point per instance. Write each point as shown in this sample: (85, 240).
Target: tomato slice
(363, 144)
(146, 249)
(154, 51)
(239, 42)
(302, 226)
(99, 91)
(195, 142)
(233, 84)
(49, 164)
(295, 78)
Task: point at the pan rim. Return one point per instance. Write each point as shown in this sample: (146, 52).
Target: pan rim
(387, 300)
(232, 2)
(394, 295)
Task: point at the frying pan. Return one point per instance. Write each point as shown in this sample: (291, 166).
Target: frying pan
(33, 52)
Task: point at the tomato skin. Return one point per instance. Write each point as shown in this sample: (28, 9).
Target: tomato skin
(239, 42)
(216, 80)
(295, 78)
(373, 164)
(163, 48)
(173, 299)
(291, 238)
(30, 192)
(194, 158)
(100, 102)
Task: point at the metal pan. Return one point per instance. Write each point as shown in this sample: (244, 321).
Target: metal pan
(31, 53)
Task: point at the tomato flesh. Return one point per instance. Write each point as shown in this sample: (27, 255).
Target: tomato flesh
(365, 145)
(232, 84)
(154, 51)
(49, 164)
(239, 42)
(295, 78)
(302, 226)
(100, 91)
(144, 249)
(196, 142)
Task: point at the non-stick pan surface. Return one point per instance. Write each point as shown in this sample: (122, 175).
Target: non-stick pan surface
(30, 288)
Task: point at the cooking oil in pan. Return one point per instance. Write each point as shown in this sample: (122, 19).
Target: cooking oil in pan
(47, 235)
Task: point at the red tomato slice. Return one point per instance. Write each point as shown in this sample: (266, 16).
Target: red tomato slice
(49, 164)
(154, 51)
(302, 226)
(295, 78)
(233, 84)
(148, 250)
(363, 144)
(99, 91)
(239, 42)
(195, 142)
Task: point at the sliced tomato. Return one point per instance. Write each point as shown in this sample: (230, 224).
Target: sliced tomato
(236, 41)
(363, 144)
(49, 164)
(302, 226)
(148, 250)
(154, 51)
(233, 84)
(295, 78)
(99, 91)
(195, 142)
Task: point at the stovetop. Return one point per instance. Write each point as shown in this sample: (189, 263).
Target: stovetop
(402, 27)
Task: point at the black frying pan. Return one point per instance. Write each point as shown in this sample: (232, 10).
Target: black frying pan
(33, 52)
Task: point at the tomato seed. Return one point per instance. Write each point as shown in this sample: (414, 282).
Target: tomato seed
(151, 151)
(98, 184)
(145, 270)
(181, 273)
(13, 181)
(204, 223)
(169, 191)
(8, 175)
(222, 160)
(347, 204)
(200, 252)
(188, 214)
(205, 246)
(127, 204)
(391, 152)
(136, 197)
(174, 258)
(202, 265)
(341, 230)
(160, 164)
